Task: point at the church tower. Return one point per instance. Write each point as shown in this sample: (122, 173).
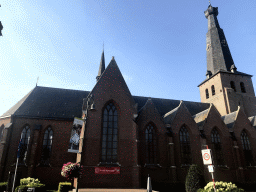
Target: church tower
(224, 86)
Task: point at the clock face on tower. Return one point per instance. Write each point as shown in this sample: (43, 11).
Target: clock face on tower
(208, 47)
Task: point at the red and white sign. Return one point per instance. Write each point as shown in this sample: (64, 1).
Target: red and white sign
(107, 170)
(206, 153)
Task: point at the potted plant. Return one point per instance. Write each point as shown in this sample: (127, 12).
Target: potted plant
(71, 170)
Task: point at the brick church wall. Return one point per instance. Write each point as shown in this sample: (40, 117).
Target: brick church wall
(59, 156)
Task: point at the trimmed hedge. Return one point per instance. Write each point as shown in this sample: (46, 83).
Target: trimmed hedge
(65, 187)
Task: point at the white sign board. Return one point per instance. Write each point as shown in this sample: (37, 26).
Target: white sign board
(210, 168)
(207, 158)
(75, 135)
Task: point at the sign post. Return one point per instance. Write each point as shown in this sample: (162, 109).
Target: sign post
(207, 158)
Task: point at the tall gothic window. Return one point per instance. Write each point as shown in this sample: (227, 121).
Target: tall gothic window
(232, 84)
(247, 149)
(185, 146)
(207, 93)
(1, 131)
(213, 90)
(109, 135)
(47, 146)
(216, 147)
(151, 145)
(242, 87)
(25, 137)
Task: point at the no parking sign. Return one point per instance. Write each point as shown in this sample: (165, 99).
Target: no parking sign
(207, 157)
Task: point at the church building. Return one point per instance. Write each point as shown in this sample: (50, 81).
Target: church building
(127, 137)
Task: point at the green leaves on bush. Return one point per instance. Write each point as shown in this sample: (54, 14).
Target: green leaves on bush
(194, 179)
(29, 183)
(3, 186)
(64, 186)
(221, 186)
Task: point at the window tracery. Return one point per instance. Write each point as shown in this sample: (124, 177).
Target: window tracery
(185, 146)
(151, 144)
(247, 149)
(217, 148)
(47, 146)
(109, 134)
(25, 137)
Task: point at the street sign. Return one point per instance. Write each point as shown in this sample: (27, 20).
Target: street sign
(210, 168)
(207, 158)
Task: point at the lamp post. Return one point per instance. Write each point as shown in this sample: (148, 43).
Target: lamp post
(18, 156)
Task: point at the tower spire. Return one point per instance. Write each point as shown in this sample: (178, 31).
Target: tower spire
(102, 64)
(218, 54)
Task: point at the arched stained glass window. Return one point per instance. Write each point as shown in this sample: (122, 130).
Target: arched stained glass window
(109, 135)
(247, 149)
(213, 90)
(242, 87)
(47, 146)
(25, 137)
(151, 145)
(185, 146)
(206, 93)
(232, 84)
(216, 148)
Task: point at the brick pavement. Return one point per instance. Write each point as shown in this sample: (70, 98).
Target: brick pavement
(112, 190)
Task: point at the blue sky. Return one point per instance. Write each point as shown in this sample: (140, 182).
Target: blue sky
(159, 46)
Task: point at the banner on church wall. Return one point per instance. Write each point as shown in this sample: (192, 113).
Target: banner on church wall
(75, 135)
(107, 170)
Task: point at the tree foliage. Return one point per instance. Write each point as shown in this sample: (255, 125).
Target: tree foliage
(194, 179)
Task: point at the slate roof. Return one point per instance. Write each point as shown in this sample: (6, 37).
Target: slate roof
(166, 105)
(253, 121)
(229, 119)
(46, 102)
(168, 117)
(201, 117)
(102, 64)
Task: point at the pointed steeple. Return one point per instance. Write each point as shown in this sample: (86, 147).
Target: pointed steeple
(102, 65)
(218, 54)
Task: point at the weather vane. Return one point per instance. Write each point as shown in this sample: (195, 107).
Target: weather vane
(209, 2)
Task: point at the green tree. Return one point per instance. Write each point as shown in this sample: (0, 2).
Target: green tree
(194, 179)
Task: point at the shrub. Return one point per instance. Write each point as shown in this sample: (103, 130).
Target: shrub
(22, 187)
(64, 186)
(26, 183)
(222, 186)
(3, 186)
(194, 179)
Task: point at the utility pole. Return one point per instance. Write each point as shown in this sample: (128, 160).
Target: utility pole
(89, 106)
